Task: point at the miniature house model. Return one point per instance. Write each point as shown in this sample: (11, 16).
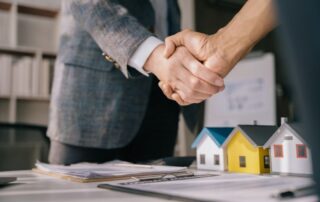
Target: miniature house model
(288, 151)
(244, 149)
(210, 154)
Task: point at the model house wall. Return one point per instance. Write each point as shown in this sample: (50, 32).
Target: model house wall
(210, 154)
(285, 157)
(206, 151)
(243, 156)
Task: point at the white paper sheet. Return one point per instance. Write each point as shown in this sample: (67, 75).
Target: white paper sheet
(227, 187)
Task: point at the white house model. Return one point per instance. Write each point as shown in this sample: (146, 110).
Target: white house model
(288, 151)
(210, 154)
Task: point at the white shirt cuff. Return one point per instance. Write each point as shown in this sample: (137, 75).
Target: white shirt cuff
(140, 56)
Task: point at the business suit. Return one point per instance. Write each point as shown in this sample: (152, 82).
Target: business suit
(106, 104)
(300, 33)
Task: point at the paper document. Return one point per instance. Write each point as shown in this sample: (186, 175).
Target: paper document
(224, 187)
(107, 171)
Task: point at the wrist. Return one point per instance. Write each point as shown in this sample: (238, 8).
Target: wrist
(154, 59)
(229, 46)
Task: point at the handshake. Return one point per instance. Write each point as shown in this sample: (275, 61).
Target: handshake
(191, 65)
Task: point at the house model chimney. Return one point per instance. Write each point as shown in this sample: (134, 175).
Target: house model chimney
(284, 120)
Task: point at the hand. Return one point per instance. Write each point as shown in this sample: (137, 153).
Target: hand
(221, 51)
(212, 50)
(186, 75)
(205, 49)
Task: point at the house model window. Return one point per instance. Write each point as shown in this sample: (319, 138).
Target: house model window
(242, 161)
(278, 150)
(202, 159)
(301, 151)
(216, 159)
(266, 161)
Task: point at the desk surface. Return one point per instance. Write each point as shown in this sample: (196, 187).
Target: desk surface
(35, 187)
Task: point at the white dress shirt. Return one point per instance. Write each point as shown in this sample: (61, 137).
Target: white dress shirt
(140, 56)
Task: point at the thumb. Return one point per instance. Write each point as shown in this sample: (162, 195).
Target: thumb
(174, 41)
(217, 65)
(170, 47)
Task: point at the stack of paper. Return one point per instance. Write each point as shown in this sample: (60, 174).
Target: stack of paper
(114, 170)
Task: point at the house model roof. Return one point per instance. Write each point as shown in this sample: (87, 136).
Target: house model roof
(294, 128)
(217, 134)
(258, 135)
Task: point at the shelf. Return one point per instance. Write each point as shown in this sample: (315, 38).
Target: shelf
(18, 51)
(48, 55)
(27, 51)
(43, 12)
(5, 6)
(4, 97)
(33, 98)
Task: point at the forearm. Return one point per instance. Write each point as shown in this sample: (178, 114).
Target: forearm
(110, 24)
(253, 22)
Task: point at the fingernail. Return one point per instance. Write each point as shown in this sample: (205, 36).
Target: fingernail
(219, 82)
(221, 89)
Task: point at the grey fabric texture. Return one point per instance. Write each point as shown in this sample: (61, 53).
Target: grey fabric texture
(93, 104)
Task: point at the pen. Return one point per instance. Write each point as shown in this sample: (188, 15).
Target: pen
(298, 192)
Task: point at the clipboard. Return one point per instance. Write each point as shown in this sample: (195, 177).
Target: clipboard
(150, 193)
(122, 188)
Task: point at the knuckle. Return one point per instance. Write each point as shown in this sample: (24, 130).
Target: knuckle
(183, 96)
(181, 51)
(214, 90)
(195, 83)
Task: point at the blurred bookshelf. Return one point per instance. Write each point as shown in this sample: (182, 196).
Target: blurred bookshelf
(28, 44)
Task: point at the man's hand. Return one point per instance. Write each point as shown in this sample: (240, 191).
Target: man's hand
(221, 51)
(205, 49)
(212, 50)
(185, 74)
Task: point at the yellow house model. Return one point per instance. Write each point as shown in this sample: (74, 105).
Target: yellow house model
(244, 149)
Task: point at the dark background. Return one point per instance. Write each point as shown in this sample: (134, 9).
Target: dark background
(211, 15)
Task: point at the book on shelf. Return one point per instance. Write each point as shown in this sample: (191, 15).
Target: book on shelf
(22, 76)
(44, 78)
(5, 75)
(5, 28)
(38, 32)
(25, 76)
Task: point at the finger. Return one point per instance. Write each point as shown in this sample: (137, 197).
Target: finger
(195, 84)
(167, 91)
(189, 95)
(174, 41)
(176, 97)
(221, 89)
(219, 65)
(170, 47)
(201, 71)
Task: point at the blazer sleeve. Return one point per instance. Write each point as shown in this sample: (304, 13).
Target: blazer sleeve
(115, 31)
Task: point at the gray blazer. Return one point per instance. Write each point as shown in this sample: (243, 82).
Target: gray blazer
(93, 103)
